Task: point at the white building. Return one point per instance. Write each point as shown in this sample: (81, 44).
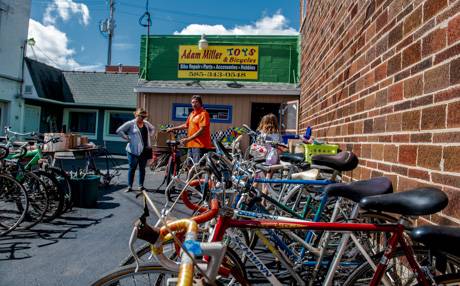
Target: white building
(14, 24)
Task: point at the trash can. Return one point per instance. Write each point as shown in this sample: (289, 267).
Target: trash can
(85, 191)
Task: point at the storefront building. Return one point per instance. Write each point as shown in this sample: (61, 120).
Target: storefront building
(241, 78)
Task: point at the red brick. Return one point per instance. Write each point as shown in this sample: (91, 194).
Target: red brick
(421, 137)
(445, 179)
(401, 138)
(380, 72)
(411, 120)
(451, 11)
(381, 98)
(453, 208)
(411, 55)
(407, 154)
(429, 156)
(379, 124)
(369, 102)
(394, 122)
(443, 220)
(436, 78)
(421, 66)
(433, 117)
(413, 86)
(446, 137)
(432, 7)
(395, 35)
(382, 20)
(413, 21)
(377, 152)
(453, 115)
(394, 64)
(453, 32)
(447, 94)
(448, 53)
(390, 153)
(419, 174)
(384, 167)
(405, 184)
(434, 42)
(422, 101)
(399, 170)
(455, 71)
(451, 159)
(366, 150)
(395, 92)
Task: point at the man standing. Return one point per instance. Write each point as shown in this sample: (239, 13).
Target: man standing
(198, 138)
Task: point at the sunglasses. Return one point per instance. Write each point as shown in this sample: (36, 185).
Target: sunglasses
(142, 116)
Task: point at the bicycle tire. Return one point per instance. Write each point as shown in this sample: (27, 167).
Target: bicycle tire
(363, 273)
(55, 196)
(38, 200)
(64, 185)
(11, 190)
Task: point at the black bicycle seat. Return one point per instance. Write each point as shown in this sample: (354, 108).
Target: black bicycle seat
(293, 158)
(416, 202)
(343, 161)
(358, 190)
(438, 237)
(172, 142)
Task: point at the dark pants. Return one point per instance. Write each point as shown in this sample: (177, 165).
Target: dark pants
(196, 153)
(133, 161)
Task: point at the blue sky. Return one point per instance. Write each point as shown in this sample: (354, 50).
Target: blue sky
(67, 31)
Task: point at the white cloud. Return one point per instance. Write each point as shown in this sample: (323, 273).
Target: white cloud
(275, 25)
(51, 47)
(64, 9)
(123, 46)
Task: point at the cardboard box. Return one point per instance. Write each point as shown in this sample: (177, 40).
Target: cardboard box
(58, 146)
(161, 138)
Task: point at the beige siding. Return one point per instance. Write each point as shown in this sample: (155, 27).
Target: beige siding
(159, 106)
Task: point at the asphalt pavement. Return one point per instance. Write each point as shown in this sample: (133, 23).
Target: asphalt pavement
(80, 246)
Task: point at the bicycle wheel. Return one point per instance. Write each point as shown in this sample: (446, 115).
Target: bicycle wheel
(64, 186)
(55, 196)
(152, 274)
(38, 200)
(398, 270)
(13, 204)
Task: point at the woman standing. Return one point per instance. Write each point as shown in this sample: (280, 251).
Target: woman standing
(139, 149)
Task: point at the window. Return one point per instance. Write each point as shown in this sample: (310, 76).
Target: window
(114, 119)
(82, 121)
(217, 113)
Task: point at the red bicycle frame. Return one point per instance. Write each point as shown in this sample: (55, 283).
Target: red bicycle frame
(226, 221)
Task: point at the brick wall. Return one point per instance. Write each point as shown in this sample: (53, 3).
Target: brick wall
(382, 78)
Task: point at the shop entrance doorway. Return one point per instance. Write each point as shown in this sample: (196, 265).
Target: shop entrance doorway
(258, 110)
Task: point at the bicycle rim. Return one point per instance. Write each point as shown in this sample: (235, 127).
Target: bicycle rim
(38, 200)
(55, 196)
(13, 204)
(152, 274)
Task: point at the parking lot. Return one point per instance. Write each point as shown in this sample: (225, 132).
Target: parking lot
(78, 247)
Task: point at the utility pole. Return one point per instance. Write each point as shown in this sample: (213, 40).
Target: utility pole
(110, 30)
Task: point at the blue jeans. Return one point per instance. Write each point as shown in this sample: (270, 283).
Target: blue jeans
(196, 153)
(133, 161)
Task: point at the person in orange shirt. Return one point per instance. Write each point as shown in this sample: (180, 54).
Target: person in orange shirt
(198, 138)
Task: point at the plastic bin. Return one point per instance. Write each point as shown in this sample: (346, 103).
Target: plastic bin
(317, 149)
(85, 191)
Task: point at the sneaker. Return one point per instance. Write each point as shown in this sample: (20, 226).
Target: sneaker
(128, 190)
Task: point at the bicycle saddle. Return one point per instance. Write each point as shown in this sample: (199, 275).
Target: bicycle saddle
(358, 190)
(438, 237)
(343, 161)
(172, 142)
(420, 201)
(293, 158)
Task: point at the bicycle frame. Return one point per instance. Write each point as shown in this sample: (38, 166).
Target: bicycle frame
(225, 222)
